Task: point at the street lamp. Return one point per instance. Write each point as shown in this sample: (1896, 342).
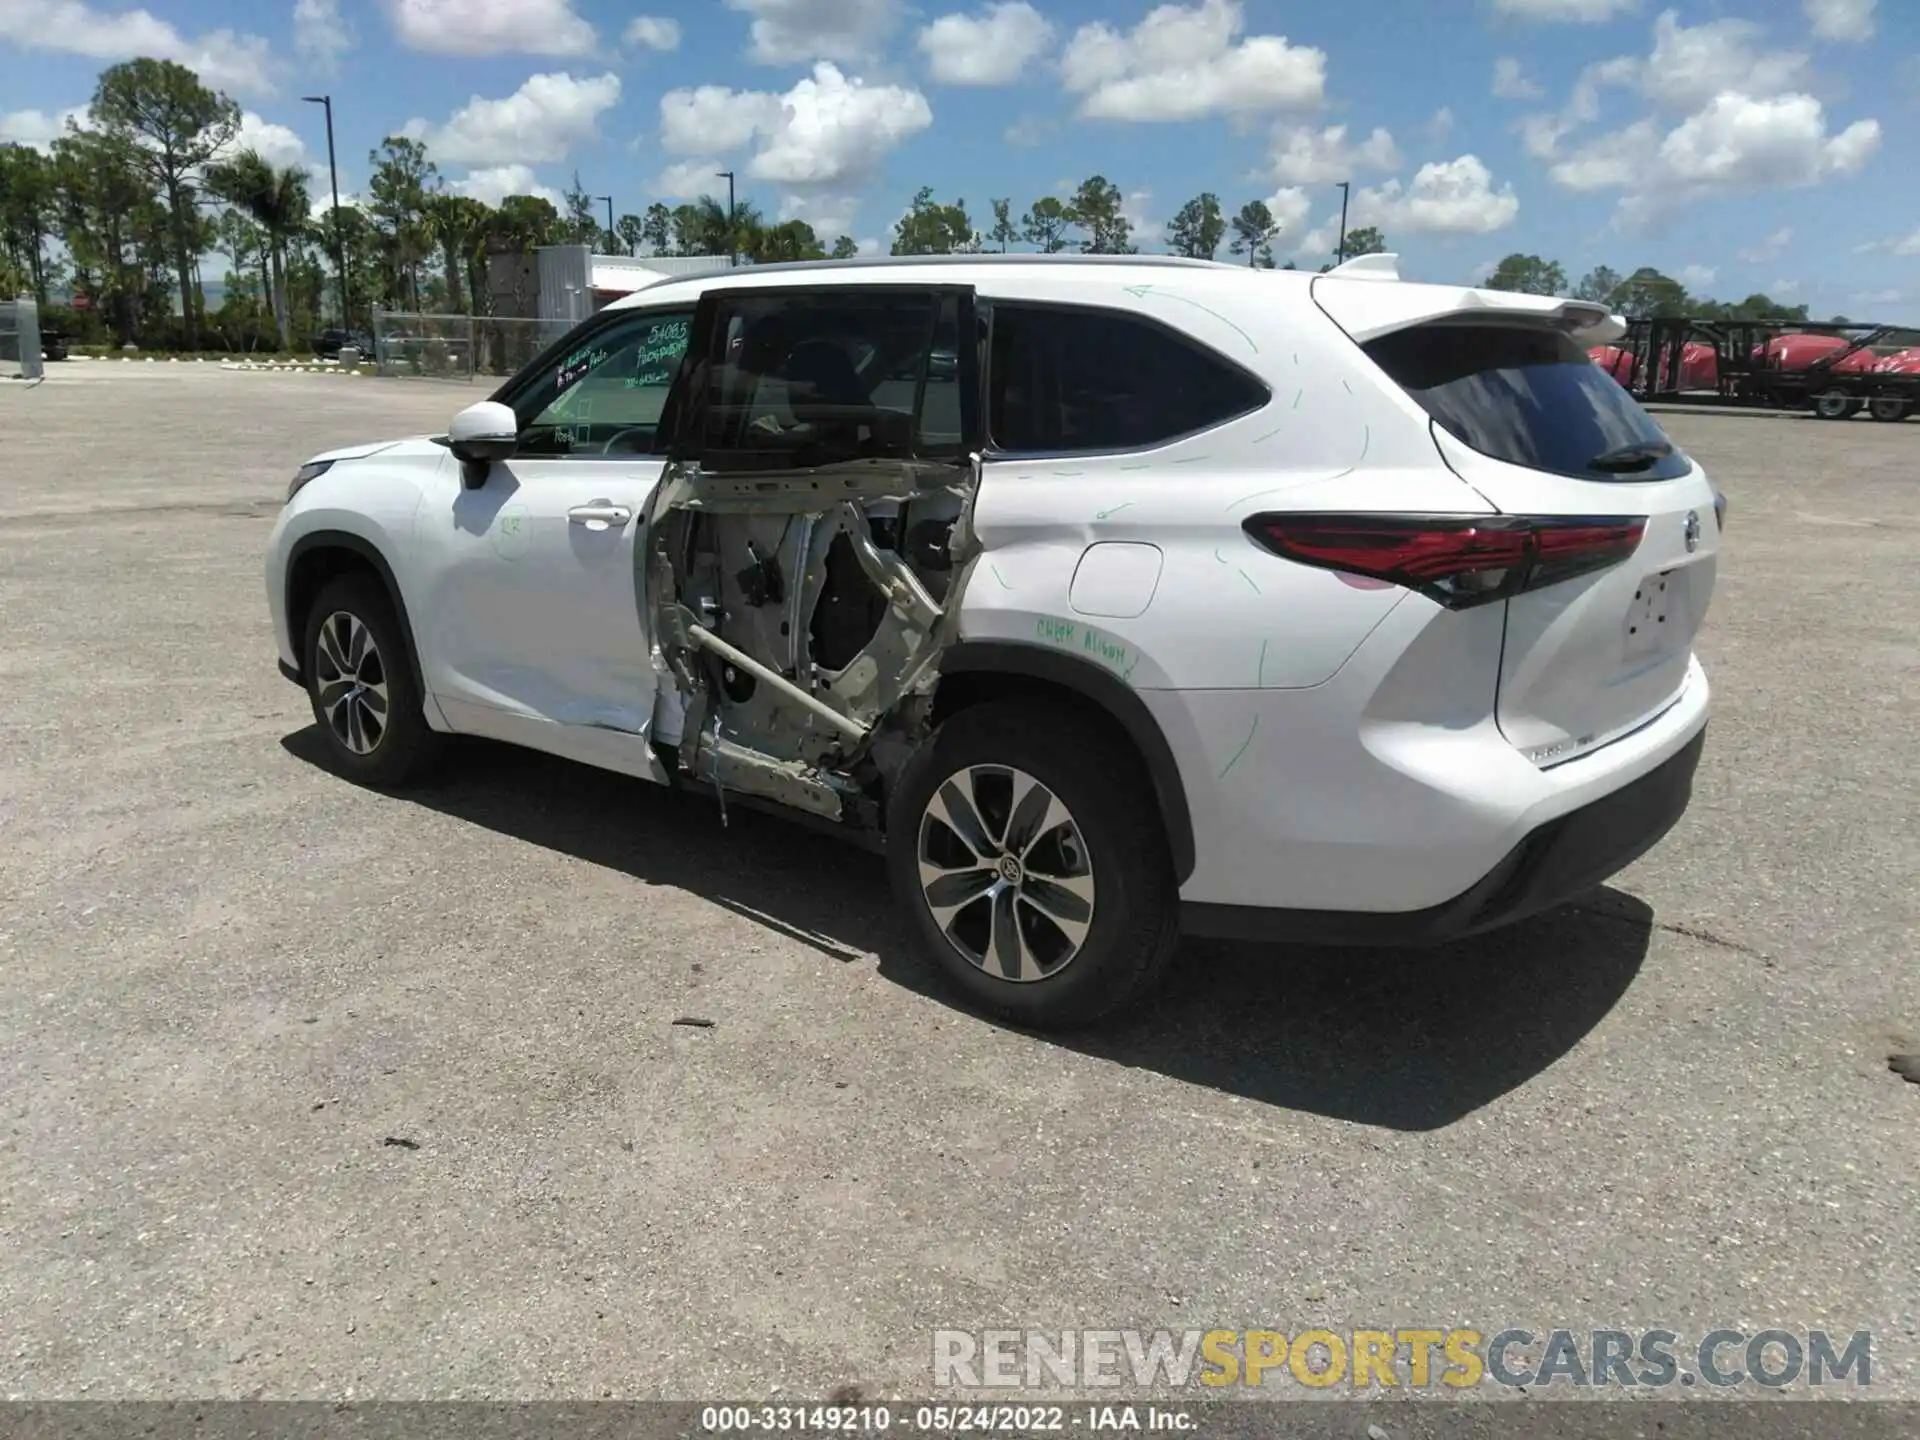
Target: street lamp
(733, 247)
(1341, 253)
(612, 239)
(339, 241)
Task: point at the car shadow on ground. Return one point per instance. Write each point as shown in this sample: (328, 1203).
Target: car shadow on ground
(1403, 1039)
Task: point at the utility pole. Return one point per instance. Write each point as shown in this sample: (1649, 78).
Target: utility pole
(339, 241)
(1345, 187)
(733, 233)
(612, 239)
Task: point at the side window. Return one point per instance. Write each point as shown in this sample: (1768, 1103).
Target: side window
(603, 394)
(1066, 379)
(798, 379)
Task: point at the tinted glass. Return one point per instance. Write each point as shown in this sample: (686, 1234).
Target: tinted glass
(604, 395)
(1528, 395)
(1084, 379)
(821, 378)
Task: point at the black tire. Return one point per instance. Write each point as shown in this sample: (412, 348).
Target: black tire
(1835, 405)
(1889, 407)
(404, 748)
(1134, 924)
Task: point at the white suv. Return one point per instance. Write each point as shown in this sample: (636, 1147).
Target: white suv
(1112, 597)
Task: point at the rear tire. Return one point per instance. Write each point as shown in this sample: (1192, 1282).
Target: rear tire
(360, 684)
(1037, 837)
(1889, 407)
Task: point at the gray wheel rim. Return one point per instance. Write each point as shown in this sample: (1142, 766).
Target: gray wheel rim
(351, 678)
(1005, 873)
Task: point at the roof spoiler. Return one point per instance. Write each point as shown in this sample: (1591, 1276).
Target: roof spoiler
(1368, 267)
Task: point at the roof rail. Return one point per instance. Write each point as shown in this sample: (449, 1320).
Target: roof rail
(984, 257)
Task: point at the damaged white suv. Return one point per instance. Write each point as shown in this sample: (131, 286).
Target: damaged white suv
(1112, 597)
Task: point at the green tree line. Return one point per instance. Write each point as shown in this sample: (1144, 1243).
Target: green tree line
(1643, 294)
(111, 229)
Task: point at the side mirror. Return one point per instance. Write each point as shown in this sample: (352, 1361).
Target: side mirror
(483, 432)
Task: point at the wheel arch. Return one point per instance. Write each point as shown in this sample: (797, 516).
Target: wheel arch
(323, 555)
(975, 671)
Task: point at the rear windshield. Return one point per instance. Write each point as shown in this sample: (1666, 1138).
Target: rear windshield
(1528, 395)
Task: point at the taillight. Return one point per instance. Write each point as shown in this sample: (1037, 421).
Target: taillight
(1456, 560)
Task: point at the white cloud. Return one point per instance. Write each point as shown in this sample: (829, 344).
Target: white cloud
(687, 180)
(494, 184)
(1027, 130)
(1301, 155)
(788, 32)
(828, 129)
(1449, 197)
(1734, 144)
(1771, 248)
(1899, 245)
(323, 203)
(1441, 125)
(1780, 289)
(1510, 81)
(869, 245)
(224, 59)
(707, 118)
(990, 48)
(653, 32)
(1565, 12)
(821, 143)
(1696, 277)
(1136, 209)
(1878, 297)
(1182, 62)
(278, 146)
(538, 124)
(320, 33)
(1690, 65)
(1291, 207)
(491, 27)
(1843, 20)
(39, 128)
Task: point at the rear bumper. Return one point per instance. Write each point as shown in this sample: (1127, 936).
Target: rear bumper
(1562, 859)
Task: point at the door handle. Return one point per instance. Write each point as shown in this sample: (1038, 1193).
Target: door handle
(599, 515)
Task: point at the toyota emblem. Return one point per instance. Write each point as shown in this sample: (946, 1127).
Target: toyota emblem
(1693, 531)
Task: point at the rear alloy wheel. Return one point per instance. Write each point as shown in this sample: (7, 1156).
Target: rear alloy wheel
(361, 686)
(1026, 845)
(1835, 405)
(1889, 407)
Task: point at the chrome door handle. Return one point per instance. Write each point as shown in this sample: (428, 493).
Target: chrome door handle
(599, 515)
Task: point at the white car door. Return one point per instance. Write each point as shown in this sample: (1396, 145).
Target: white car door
(535, 627)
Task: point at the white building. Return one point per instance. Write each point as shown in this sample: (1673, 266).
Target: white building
(574, 282)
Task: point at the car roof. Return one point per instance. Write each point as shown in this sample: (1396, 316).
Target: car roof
(981, 269)
(1365, 296)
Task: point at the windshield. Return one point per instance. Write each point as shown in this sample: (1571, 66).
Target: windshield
(1530, 396)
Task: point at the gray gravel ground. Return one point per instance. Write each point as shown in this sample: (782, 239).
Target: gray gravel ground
(226, 977)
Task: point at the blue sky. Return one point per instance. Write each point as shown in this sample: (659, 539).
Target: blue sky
(1739, 145)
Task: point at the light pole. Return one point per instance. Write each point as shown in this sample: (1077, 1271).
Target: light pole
(733, 245)
(1341, 253)
(612, 239)
(339, 241)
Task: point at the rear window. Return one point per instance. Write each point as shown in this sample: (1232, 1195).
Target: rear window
(1530, 396)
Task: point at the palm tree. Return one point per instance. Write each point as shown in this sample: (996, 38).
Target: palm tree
(278, 203)
(456, 222)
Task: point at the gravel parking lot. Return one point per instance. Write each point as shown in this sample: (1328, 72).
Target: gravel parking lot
(227, 978)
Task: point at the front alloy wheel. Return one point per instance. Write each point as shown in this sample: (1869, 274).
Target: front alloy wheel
(1005, 873)
(352, 683)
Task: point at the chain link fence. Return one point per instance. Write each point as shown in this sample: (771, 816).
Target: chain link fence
(458, 347)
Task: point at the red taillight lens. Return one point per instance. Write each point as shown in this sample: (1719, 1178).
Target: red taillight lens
(1455, 560)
